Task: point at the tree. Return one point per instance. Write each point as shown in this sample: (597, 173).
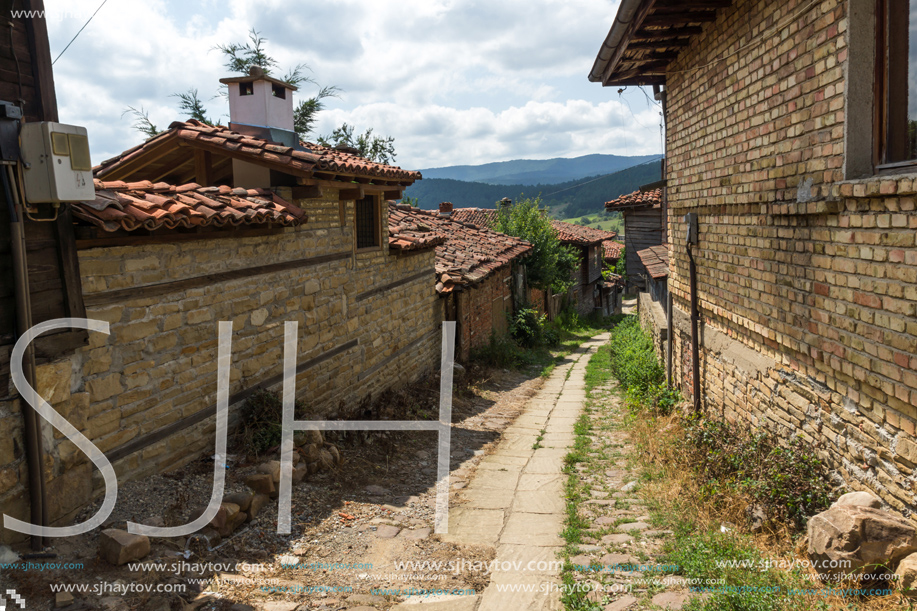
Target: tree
(550, 264)
(376, 148)
(240, 57)
(413, 202)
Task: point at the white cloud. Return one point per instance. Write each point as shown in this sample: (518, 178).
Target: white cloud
(454, 81)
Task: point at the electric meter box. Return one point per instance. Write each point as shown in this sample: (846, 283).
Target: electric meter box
(57, 166)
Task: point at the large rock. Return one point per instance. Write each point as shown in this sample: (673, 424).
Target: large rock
(863, 536)
(120, 547)
(262, 483)
(859, 499)
(907, 576)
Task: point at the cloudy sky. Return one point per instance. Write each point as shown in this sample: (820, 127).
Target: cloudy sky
(453, 81)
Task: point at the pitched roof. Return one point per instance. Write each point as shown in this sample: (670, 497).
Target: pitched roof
(568, 233)
(656, 260)
(468, 253)
(481, 217)
(647, 36)
(163, 153)
(144, 205)
(612, 249)
(637, 199)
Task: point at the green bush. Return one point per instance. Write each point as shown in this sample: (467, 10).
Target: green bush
(262, 417)
(527, 327)
(501, 352)
(788, 481)
(633, 359)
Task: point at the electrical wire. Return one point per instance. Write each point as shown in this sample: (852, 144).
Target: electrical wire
(78, 33)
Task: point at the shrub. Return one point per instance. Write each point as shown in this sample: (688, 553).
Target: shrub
(788, 481)
(527, 327)
(633, 360)
(262, 417)
(500, 352)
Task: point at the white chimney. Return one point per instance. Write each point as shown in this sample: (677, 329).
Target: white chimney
(257, 100)
(262, 107)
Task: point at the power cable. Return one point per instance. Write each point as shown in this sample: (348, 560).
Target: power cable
(78, 33)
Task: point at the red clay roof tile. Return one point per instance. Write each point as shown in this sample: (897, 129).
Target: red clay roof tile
(467, 254)
(656, 260)
(612, 249)
(143, 205)
(637, 199)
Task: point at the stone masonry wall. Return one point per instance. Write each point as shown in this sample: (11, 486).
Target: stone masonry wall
(158, 365)
(807, 283)
(652, 319)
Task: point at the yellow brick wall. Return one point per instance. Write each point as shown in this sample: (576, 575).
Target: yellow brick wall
(158, 365)
(815, 275)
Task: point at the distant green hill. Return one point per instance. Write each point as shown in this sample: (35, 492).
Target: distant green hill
(571, 199)
(541, 171)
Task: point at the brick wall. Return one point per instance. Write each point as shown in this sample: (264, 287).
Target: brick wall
(806, 283)
(158, 365)
(483, 309)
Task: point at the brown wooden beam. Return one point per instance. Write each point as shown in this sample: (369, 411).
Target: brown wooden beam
(680, 18)
(658, 44)
(203, 168)
(142, 160)
(354, 194)
(690, 30)
(307, 192)
(636, 23)
(683, 4)
(397, 194)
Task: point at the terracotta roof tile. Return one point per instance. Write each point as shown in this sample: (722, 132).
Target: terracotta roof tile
(480, 217)
(580, 235)
(314, 157)
(612, 249)
(656, 260)
(468, 253)
(637, 199)
(143, 205)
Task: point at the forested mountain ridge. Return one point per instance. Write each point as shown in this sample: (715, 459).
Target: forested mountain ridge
(538, 171)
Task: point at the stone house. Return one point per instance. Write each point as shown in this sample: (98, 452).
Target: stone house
(480, 274)
(791, 178)
(643, 228)
(202, 224)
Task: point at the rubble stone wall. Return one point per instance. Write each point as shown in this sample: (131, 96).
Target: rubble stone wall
(376, 314)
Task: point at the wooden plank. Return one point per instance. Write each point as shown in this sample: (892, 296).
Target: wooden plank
(164, 288)
(659, 44)
(396, 284)
(691, 30)
(680, 18)
(398, 194)
(69, 264)
(162, 236)
(40, 50)
(635, 24)
(351, 194)
(307, 192)
(203, 168)
(145, 441)
(165, 145)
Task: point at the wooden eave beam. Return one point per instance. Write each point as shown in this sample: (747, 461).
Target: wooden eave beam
(203, 168)
(683, 4)
(690, 30)
(680, 18)
(658, 44)
(351, 194)
(143, 158)
(635, 24)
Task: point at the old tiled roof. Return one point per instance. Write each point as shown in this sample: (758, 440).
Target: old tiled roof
(468, 253)
(656, 260)
(481, 217)
(637, 199)
(612, 249)
(222, 140)
(144, 205)
(612, 280)
(568, 233)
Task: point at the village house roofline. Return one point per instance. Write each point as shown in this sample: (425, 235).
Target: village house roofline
(646, 36)
(188, 149)
(637, 199)
(612, 249)
(467, 253)
(147, 206)
(567, 233)
(656, 260)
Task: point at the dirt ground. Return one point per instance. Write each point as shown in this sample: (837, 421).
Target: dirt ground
(350, 525)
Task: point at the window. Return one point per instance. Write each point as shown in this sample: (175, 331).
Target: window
(246, 89)
(896, 87)
(367, 222)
